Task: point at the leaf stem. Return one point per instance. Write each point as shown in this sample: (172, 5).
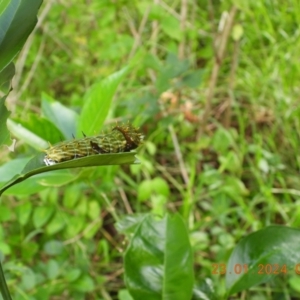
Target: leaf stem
(3, 286)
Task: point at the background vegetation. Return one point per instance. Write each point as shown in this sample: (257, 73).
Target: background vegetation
(213, 87)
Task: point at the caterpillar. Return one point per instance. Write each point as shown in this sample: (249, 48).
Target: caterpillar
(122, 138)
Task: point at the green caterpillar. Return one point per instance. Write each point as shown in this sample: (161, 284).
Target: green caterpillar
(122, 138)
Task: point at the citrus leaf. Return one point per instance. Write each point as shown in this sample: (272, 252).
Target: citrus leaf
(263, 255)
(61, 116)
(37, 166)
(159, 260)
(4, 113)
(24, 134)
(17, 20)
(6, 76)
(97, 103)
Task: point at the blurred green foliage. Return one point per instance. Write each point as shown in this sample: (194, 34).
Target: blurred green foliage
(233, 175)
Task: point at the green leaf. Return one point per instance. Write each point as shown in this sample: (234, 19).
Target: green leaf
(97, 103)
(82, 206)
(29, 248)
(35, 183)
(261, 252)
(159, 260)
(294, 282)
(176, 67)
(28, 187)
(71, 195)
(172, 68)
(158, 203)
(124, 295)
(171, 26)
(93, 209)
(160, 186)
(222, 140)
(41, 215)
(5, 249)
(5, 213)
(144, 190)
(4, 113)
(6, 76)
(72, 275)
(62, 117)
(41, 127)
(11, 168)
(193, 79)
(17, 20)
(152, 61)
(53, 269)
(23, 212)
(57, 223)
(157, 186)
(26, 135)
(28, 280)
(53, 247)
(128, 224)
(37, 166)
(84, 284)
(92, 231)
(230, 162)
(237, 32)
(55, 179)
(204, 290)
(75, 225)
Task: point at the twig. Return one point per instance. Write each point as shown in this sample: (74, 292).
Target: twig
(154, 34)
(51, 34)
(179, 155)
(81, 235)
(154, 42)
(227, 117)
(175, 14)
(285, 191)
(130, 24)
(110, 207)
(123, 197)
(3, 286)
(216, 69)
(22, 58)
(137, 40)
(183, 17)
(32, 70)
(110, 239)
(104, 293)
(168, 176)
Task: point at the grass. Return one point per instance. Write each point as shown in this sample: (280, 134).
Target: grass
(228, 147)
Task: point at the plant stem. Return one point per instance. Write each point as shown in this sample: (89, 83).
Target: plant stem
(3, 286)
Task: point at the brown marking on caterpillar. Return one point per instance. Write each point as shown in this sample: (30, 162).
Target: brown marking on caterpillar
(97, 148)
